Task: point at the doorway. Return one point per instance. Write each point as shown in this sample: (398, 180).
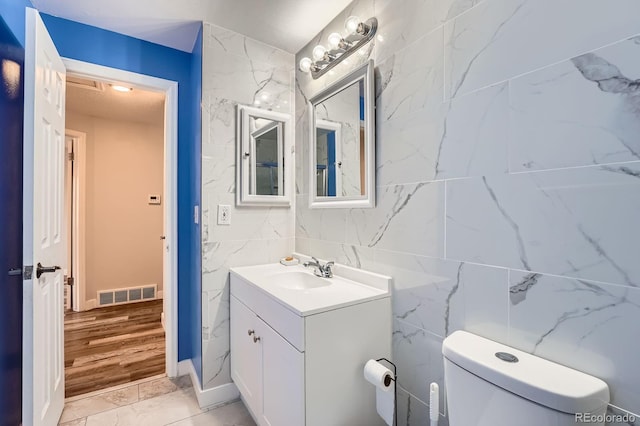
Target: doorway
(121, 200)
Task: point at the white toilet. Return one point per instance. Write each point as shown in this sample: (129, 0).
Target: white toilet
(490, 384)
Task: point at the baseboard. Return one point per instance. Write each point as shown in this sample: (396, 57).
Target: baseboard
(184, 367)
(213, 397)
(91, 304)
(160, 294)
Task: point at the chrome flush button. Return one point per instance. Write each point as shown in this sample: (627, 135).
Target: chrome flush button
(507, 357)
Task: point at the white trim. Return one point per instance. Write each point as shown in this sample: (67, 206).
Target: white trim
(213, 397)
(246, 143)
(90, 304)
(170, 89)
(365, 73)
(79, 196)
(337, 128)
(184, 367)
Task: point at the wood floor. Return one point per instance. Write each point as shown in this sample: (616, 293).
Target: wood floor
(113, 345)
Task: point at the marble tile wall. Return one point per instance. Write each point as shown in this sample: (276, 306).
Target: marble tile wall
(508, 183)
(236, 70)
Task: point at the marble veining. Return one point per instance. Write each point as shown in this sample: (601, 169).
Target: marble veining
(388, 226)
(490, 39)
(578, 112)
(603, 253)
(518, 292)
(467, 136)
(400, 204)
(507, 183)
(451, 294)
(511, 222)
(573, 222)
(236, 70)
(586, 325)
(419, 352)
(606, 75)
(412, 79)
(501, 39)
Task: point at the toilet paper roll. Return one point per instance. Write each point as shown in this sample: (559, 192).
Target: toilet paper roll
(378, 375)
(381, 377)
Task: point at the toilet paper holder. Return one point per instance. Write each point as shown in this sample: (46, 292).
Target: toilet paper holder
(395, 389)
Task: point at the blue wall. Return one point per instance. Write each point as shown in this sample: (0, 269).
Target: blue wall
(94, 45)
(12, 12)
(11, 117)
(195, 178)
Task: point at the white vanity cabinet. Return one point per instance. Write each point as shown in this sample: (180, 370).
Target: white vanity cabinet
(262, 359)
(305, 367)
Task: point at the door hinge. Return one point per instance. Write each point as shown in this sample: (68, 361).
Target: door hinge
(71, 156)
(70, 281)
(28, 272)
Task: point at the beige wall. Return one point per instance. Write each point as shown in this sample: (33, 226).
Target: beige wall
(124, 165)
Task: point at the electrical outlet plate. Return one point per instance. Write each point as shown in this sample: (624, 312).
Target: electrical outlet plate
(224, 214)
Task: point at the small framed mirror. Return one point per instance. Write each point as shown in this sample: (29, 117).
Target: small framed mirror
(263, 172)
(342, 151)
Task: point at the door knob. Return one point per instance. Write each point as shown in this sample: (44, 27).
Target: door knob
(44, 269)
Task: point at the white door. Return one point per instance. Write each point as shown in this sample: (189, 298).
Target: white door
(282, 379)
(44, 233)
(245, 354)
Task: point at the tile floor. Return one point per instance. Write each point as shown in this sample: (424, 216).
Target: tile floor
(150, 402)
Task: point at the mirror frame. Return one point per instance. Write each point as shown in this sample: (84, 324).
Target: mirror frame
(364, 73)
(245, 143)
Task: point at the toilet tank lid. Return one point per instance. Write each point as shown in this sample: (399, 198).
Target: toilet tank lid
(536, 379)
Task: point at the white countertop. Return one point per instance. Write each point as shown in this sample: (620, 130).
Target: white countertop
(361, 287)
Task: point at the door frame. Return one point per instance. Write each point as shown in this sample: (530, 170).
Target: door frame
(78, 195)
(170, 275)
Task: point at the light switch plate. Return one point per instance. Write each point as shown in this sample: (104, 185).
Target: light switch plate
(224, 214)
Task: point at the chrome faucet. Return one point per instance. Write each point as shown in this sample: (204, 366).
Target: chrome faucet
(320, 270)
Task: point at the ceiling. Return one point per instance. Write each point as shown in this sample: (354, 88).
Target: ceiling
(286, 24)
(98, 99)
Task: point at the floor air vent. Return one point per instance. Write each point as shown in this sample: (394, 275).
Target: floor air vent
(127, 295)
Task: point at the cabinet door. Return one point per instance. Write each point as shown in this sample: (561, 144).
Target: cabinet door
(282, 379)
(245, 355)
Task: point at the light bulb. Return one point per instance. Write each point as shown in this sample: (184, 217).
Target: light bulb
(351, 24)
(305, 64)
(318, 52)
(120, 88)
(334, 40)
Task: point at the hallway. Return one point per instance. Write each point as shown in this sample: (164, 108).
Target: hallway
(110, 346)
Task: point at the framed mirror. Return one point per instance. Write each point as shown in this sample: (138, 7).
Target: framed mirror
(263, 172)
(342, 149)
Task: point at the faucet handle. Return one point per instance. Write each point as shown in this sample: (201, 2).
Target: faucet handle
(315, 260)
(330, 263)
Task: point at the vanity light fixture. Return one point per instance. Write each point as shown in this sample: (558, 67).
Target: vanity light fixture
(358, 34)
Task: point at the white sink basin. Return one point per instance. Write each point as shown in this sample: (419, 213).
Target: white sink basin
(303, 293)
(299, 280)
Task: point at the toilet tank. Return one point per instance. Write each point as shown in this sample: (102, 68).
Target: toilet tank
(490, 384)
